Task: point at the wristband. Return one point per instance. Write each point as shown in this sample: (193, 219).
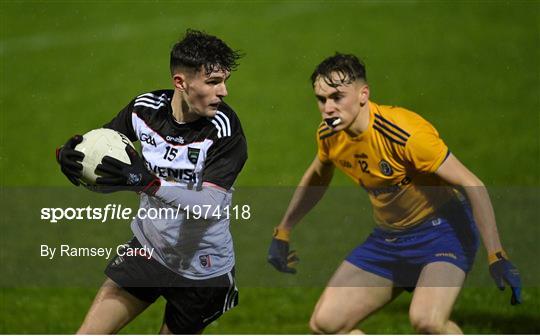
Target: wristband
(152, 187)
(282, 234)
(499, 255)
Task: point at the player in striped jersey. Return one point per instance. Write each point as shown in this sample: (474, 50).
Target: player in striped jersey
(193, 149)
(426, 237)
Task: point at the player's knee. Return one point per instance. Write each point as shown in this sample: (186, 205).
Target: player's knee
(426, 324)
(313, 326)
(321, 323)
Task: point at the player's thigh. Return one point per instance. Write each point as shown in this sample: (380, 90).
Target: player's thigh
(351, 295)
(436, 292)
(112, 309)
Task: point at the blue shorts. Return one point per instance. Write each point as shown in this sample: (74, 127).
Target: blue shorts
(450, 236)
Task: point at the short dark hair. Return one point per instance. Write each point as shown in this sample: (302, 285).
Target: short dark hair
(198, 49)
(348, 67)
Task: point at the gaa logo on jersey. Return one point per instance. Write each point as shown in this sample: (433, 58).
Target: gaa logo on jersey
(193, 154)
(148, 139)
(385, 168)
(205, 260)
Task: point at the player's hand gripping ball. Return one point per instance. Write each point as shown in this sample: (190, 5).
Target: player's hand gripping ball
(81, 154)
(70, 159)
(133, 176)
(96, 145)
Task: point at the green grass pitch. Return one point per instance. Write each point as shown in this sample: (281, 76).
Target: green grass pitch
(471, 68)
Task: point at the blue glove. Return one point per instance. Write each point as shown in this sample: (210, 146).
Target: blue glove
(503, 271)
(279, 255)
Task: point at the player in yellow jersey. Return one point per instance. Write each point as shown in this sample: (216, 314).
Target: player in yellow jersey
(428, 206)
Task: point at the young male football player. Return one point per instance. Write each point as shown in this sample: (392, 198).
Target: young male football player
(426, 237)
(193, 149)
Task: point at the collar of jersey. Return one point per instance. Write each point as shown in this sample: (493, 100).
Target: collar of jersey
(178, 125)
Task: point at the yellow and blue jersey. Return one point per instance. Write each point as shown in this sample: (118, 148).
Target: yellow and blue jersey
(394, 160)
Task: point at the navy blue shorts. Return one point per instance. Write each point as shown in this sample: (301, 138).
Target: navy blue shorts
(451, 236)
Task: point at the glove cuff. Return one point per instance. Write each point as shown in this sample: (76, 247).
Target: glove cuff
(496, 256)
(282, 234)
(152, 187)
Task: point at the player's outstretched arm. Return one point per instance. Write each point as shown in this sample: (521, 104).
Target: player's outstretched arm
(501, 269)
(310, 190)
(308, 193)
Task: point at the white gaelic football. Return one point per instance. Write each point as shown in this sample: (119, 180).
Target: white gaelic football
(99, 143)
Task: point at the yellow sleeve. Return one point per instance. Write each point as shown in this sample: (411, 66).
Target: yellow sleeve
(426, 150)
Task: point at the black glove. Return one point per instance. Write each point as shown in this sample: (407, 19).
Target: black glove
(279, 255)
(69, 159)
(117, 175)
(503, 271)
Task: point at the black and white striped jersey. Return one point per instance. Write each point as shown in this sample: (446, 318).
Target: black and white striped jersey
(184, 155)
(207, 150)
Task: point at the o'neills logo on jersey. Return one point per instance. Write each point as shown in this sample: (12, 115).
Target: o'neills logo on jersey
(172, 174)
(177, 139)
